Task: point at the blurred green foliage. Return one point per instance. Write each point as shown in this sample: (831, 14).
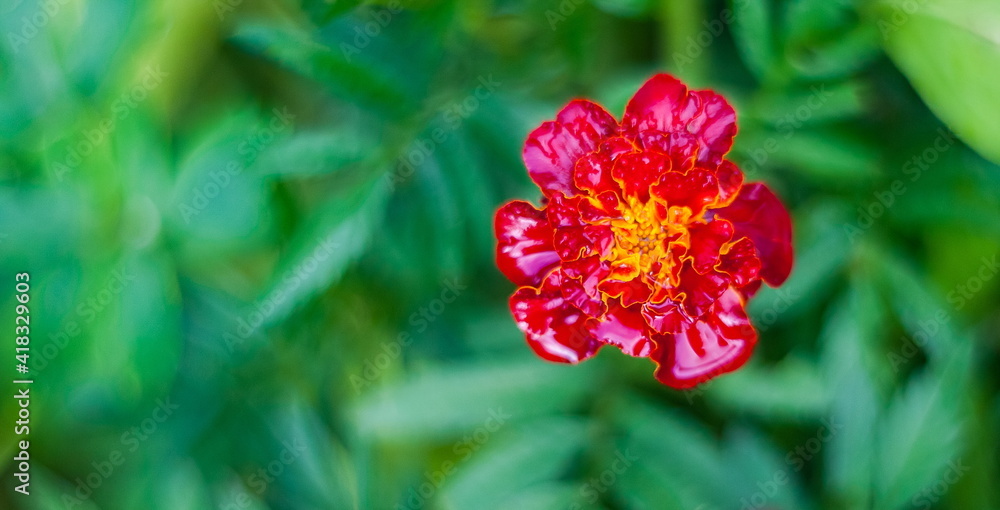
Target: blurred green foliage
(260, 242)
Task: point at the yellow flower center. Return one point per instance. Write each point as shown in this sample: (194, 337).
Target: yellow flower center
(639, 237)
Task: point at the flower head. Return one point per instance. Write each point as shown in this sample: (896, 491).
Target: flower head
(647, 238)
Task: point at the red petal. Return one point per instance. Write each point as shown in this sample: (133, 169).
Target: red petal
(638, 171)
(701, 290)
(695, 189)
(623, 328)
(555, 329)
(665, 317)
(578, 295)
(718, 343)
(629, 292)
(666, 116)
(563, 211)
(572, 243)
(577, 210)
(575, 235)
(750, 289)
(758, 214)
(593, 171)
(552, 150)
(741, 262)
(730, 179)
(525, 253)
(599, 209)
(707, 240)
(580, 281)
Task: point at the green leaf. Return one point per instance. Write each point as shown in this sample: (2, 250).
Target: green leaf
(680, 462)
(317, 152)
(215, 203)
(630, 8)
(813, 104)
(825, 40)
(791, 390)
(325, 10)
(853, 326)
(765, 471)
(322, 250)
(919, 309)
(921, 434)
(296, 50)
(660, 436)
(493, 475)
(544, 496)
(321, 470)
(821, 254)
(754, 34)
(825, 155)
(445, 402)
(439, 198)
(950, 52)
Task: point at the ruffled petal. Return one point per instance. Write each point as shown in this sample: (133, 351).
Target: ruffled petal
(730, 179)
(665, 116)
(628, 291)
(740, 262)
(525, 253)
(665, 317)
(718, 343)
(624, 328)
(572, 243)
(707, 240)
(593, 171)
(579, 210)
(638, 171)
(555, 329)
(758, 214)
(563, 211)
(552, 151)
(579, 284)
(700, 290)
(696, 190)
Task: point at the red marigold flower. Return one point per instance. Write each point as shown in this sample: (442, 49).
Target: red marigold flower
(647, 238)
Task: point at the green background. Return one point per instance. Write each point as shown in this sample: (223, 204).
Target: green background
(259, 236)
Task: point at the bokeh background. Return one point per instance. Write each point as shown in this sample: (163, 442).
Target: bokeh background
(260, 242)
